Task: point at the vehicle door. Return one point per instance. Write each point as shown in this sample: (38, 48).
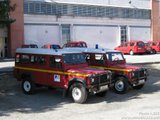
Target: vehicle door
(56, 74)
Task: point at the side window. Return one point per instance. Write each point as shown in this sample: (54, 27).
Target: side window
(25, 59)
(38, 60)
(99, 58)
(125, 45)
(55, 62)
(154, 44)
(131, 44)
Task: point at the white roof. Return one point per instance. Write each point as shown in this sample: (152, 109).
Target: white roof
(44, 51)
(90, 50)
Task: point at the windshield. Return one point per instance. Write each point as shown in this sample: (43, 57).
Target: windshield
(74, 58)
(115, 56)
(140, 44)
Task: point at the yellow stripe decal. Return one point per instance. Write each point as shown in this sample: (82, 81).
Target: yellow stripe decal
(118, 69)
(51, 71)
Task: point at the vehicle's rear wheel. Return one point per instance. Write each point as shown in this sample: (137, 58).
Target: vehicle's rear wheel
(79, 93)
(101, 94)
(131, 52)
(138, 87)
(154, 51)
(121, 85)
(28, 86)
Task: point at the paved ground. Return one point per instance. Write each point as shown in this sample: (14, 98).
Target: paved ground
(47, 104)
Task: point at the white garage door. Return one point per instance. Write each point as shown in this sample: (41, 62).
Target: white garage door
(104, 36)
(41, 34)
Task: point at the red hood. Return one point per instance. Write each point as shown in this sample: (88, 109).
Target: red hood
(126, 67)
(86, 70)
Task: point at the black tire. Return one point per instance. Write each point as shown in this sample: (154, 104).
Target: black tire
(131, 52)
(138, 87)
(154, 52)
(101, 94)
(28, 87)
(120, 85)
(78, 93)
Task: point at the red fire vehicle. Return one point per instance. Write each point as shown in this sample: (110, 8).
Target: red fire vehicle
(51, 46)
(123, 75)
(60, 69)
(132, 47)
(149, 48)
(80, 44)
(155, 45)
(29, 46)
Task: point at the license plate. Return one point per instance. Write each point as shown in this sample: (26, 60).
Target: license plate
(141, 81)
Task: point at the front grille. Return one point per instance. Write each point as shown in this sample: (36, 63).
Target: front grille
(100, 79)
(139, 74)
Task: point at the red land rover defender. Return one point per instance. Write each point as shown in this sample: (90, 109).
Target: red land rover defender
(60, 69)
(123, 75)
(132, 47)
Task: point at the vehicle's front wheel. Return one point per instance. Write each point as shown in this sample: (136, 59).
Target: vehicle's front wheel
(131, 52)
(28, 86)
(138, 87)
(79, 93)
(121, 85)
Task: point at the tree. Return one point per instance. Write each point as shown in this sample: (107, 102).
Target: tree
(5, 9)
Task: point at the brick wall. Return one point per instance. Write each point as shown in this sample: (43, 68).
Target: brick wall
(155, 20)
(16, 29)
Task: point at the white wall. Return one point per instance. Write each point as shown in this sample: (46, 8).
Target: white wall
(140, 33)
(41, 34)
(104, 36)
(93, 30)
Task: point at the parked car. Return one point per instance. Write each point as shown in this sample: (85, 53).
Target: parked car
(51, 46)
(80, 44)
(29, 46)
(155, 45)
(59, 69)
(123, 75)
(149, 49)
(132, 47)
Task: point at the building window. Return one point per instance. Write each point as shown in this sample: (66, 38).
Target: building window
(65, 33)
(45, 8)
(123, 32)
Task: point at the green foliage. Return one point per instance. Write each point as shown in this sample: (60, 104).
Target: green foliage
(5, 9)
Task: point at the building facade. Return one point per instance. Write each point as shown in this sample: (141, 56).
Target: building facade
(103, 22)
(106, 22)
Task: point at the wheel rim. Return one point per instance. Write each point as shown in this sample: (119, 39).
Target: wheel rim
(131, 52)
(76, 93)
(27, 86)
(119, 85)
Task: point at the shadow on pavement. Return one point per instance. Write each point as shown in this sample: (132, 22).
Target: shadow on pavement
(13, 100)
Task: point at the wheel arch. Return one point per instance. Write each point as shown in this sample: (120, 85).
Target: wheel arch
(75, 80)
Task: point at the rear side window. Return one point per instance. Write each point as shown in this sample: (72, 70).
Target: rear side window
(25, 59)
(38, 60)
